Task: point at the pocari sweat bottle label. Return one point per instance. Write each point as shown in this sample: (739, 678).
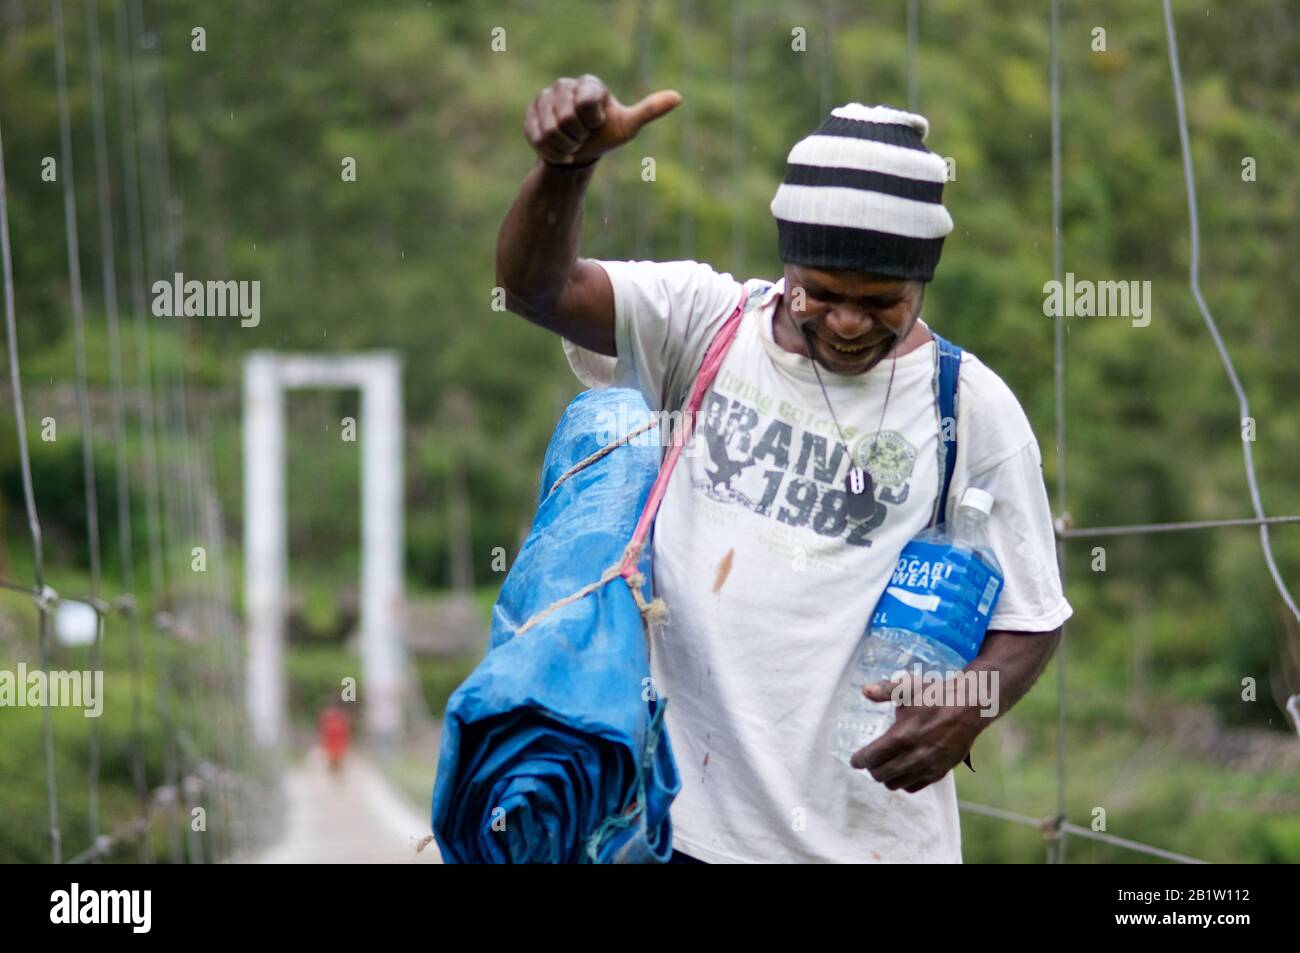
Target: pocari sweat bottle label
(942, 591)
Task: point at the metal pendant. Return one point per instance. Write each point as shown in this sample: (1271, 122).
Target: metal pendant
(861, 492)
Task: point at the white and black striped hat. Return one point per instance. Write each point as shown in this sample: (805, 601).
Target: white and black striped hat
(864, 193)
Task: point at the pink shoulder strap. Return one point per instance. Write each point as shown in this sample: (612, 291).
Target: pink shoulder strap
(703, 381)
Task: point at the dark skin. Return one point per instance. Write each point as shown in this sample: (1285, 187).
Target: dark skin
(846, 321)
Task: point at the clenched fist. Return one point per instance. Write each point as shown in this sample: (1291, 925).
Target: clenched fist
(574, 122)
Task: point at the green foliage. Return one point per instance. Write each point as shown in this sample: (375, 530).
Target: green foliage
(403, 259)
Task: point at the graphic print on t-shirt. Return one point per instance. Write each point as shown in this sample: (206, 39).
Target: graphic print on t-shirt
(782, 462)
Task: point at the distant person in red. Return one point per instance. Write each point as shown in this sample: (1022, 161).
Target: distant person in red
(335, 734)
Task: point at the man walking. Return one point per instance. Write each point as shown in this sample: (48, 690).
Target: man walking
(820, 459)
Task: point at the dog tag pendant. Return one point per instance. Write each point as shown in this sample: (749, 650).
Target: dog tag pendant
(861, 492)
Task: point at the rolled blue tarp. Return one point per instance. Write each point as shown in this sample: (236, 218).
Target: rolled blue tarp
(553, 750)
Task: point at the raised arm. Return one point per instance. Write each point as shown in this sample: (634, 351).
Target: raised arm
(570, 124)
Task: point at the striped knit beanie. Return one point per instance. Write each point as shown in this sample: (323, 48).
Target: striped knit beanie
(863, 193)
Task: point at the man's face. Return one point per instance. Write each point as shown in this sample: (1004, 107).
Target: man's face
(850, 319)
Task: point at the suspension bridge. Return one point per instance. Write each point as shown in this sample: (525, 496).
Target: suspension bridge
(211, 732)
(214, 692)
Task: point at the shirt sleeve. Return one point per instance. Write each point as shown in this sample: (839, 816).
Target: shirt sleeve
(1020, 531)
(998, 452)
(665, 315)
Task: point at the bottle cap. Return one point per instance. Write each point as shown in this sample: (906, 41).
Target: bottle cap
(977, 499)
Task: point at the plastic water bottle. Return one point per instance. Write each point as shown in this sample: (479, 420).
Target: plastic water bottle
(934, 614)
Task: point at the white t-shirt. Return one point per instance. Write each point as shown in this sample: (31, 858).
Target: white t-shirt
(769, 585)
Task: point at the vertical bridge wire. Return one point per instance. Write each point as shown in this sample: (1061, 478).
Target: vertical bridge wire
(83, 393)
(43, 600)
(1056, 846)
(1194, 281)
(108, 262)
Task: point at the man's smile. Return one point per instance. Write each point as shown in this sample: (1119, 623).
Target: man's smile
(845, 356)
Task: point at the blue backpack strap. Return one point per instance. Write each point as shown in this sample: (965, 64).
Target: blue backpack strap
(946, 376)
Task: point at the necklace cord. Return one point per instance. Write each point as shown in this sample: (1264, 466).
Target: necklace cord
(893, 365)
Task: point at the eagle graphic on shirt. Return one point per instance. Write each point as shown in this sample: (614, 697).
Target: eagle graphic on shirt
(724, 467)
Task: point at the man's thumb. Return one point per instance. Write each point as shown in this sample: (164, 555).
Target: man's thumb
(653, 106)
